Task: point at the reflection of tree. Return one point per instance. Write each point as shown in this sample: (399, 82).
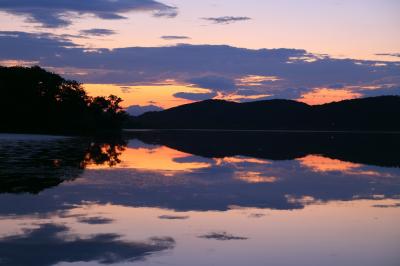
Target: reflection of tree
(103, 153)
(32, 166)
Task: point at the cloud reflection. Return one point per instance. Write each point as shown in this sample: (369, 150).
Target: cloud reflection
(52, 243)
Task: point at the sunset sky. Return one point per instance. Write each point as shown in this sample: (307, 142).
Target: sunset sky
(166, 53)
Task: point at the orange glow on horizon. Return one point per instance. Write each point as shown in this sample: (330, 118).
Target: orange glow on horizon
(325, 95)
(161, 95)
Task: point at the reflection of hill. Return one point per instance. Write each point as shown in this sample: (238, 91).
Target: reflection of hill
(373, 149)
(31, 166)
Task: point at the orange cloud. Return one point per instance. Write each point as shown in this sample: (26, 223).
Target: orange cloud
(234, 160)
(255, 80)
(323, 164)
(325, 95)
(254, 177)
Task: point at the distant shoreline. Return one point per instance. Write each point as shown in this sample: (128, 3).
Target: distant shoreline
(266, 131)
(371, 115)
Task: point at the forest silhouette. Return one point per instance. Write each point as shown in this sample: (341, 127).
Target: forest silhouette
(35, 100)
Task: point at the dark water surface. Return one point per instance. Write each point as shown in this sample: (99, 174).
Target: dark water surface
(201, 198)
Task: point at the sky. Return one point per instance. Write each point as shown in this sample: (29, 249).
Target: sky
(159, 54)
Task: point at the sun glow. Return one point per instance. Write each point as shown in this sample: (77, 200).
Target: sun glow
(325, 95)
(158, 94)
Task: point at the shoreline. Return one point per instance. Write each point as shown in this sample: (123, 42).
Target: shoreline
(266, 131)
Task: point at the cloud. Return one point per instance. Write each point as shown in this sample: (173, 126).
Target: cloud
(48, 245)
(219, 68)
(396, 205)
(226, 19)
(195, 96)
(218, 83)
(173, 217)
(94, 220)
(384, 90)
(58, 13)
(222, 236)
(136, 110)
(169, 12)
(390, 54)
(97, 32)
(174, 37)
(256, 215)
(193, 159)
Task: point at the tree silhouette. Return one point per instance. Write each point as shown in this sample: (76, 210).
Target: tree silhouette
(35, 100)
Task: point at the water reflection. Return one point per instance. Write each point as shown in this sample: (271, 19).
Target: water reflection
(372, 149)
(200, 199)
(34, 163)
(52, 243)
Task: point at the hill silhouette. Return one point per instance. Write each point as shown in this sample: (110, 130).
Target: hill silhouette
(373, 114)
(35, 100)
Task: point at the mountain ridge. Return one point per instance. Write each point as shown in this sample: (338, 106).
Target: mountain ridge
(374, 113)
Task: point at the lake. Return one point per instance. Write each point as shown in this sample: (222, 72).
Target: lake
(201, 198)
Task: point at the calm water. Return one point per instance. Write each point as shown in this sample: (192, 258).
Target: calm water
(201, 198)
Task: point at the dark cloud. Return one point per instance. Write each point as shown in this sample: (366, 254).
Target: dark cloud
(136, 110)
(217, 83)
(195, 96)
(256, 215)
(174, 37)
(193, 159)
(222, 236)
(288, 93)
(49, 245)
(97, 32)
(396, 205)
(390, 54)
(273, 93)
(126, 89)
(173, 217)
(336, 86)
(215, 67)
(94, 220)
(59, 13)
(226, 19)
(384, 90)
(169, 12)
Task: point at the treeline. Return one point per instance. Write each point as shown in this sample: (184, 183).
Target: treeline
(35, 100)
